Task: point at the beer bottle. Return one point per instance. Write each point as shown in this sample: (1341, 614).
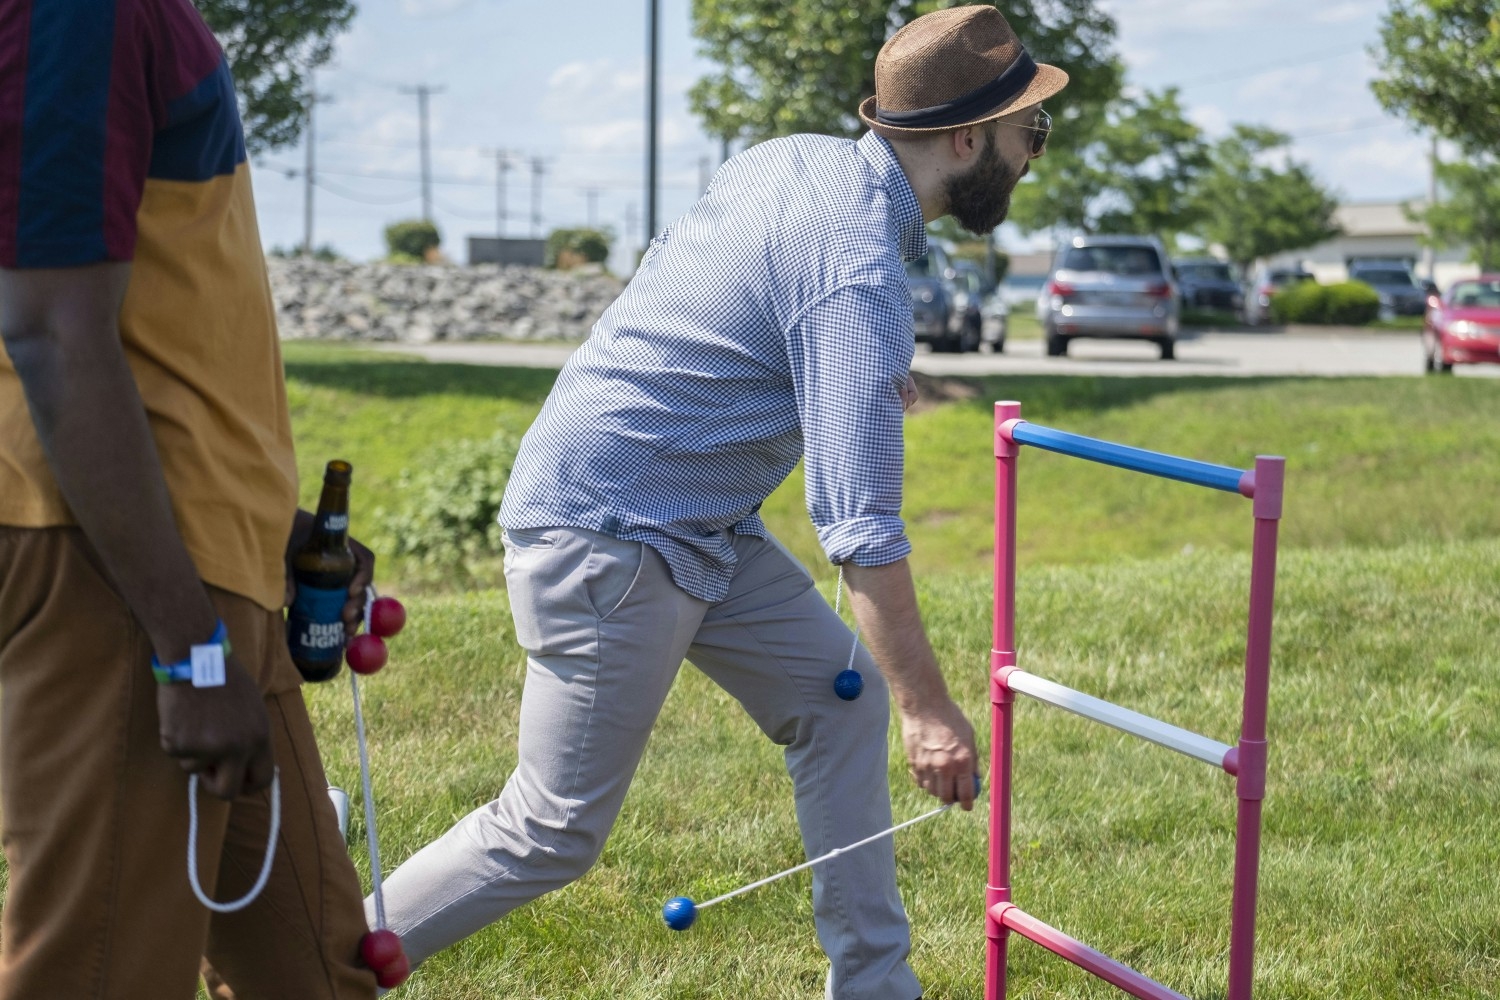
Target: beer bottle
(322, 568)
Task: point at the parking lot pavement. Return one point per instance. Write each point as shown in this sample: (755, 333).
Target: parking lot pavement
(1326, 354)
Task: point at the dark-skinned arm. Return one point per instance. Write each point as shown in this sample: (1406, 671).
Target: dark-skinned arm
(61, 330)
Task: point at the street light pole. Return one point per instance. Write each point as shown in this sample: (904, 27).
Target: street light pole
(652, 37)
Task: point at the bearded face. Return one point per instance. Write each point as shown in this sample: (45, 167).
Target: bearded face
(980, 199)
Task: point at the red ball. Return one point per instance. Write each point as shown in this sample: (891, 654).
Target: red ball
(387, 617)
(393, 975)
(366, 653)
(379, 948)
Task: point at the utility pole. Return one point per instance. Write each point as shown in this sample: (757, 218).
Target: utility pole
(652, 33)
(592, 194)
(1429, 256)
(538, 167)
(502, 168)
(423, 91)
(310, 173)
(704, 173)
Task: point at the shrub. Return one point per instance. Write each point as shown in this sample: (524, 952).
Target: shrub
(1352, 303)
(412, 239)
(570, 247)
(447, 518)
(1349, 303)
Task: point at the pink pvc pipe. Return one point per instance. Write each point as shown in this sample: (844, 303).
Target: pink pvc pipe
(1086, 958)
(1250, 783)
(1002, 655)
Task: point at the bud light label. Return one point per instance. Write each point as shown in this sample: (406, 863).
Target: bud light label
(314, 626)
(336, 522)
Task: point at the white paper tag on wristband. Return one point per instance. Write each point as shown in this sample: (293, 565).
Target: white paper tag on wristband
(208, 666)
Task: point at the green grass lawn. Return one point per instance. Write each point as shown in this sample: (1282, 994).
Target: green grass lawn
(1381, 836)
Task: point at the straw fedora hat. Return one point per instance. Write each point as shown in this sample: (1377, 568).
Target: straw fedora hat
(951, 69)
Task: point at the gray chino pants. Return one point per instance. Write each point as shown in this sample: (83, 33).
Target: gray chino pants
(606, 630)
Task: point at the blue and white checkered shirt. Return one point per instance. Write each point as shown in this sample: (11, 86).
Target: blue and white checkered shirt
(771, 322)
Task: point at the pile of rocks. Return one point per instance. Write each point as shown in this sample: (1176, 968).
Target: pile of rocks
(422, 303)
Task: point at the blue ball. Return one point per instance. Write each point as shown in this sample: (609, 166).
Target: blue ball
(848, 684)
(679, 913)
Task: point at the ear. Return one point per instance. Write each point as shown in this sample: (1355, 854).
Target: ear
(967, 143)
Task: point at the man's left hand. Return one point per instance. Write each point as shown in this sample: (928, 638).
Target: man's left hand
(364, 573)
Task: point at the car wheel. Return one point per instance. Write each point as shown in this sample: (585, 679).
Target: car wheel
(1168, 348)
(1057, 344)
(997, 346)
(973, 335)
(1429, 362)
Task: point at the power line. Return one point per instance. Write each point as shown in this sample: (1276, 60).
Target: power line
(363, 199)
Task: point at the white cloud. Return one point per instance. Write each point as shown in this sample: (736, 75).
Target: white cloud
(1211, 118)
(1172, 17)
(1377, 167)
(431, 8)
(1342, 13)
(590, 90)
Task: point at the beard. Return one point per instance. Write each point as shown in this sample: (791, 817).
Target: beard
(980, 199)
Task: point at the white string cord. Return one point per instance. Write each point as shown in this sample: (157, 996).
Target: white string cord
(826, 857)
(838, 601)
(364, 776)
(265, 867)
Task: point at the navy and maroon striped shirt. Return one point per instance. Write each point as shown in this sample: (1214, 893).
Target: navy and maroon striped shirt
(120, 141)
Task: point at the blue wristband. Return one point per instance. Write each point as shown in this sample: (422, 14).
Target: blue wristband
(181, 672)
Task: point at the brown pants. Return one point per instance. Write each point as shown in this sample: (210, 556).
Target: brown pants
(96, 815)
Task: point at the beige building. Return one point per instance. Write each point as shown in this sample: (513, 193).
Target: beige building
(1380, 229)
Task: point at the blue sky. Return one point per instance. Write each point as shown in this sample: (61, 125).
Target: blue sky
(565, 84)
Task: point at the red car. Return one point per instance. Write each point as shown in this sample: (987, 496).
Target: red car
(1463, 327)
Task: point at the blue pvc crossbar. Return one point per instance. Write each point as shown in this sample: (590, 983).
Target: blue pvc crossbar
(1185, 470)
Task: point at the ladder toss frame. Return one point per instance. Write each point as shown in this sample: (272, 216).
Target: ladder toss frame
(1246, 761)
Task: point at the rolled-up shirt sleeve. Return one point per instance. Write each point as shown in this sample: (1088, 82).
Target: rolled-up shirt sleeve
(850, 356)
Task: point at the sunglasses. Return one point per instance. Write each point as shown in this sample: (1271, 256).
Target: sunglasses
(1041, 127)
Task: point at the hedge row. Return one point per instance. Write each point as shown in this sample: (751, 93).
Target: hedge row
(1349, 303)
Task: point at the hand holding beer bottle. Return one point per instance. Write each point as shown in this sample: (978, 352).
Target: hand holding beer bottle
(328, 576)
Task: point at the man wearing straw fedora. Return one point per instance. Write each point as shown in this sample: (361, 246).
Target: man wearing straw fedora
(768, 325)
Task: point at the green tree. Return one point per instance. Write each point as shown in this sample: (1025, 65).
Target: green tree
(1136, 173)
(409, 241)
(1254, 209)
(805, 66)
(272, 46)
(1469, 214)
(571, 247)
(1440, 68)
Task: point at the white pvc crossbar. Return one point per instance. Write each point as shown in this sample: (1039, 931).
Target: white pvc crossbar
(1185, 742)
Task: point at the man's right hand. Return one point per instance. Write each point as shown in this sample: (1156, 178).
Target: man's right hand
(940, 752)
(222, 734)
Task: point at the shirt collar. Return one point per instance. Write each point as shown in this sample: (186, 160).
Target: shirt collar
(911, 230)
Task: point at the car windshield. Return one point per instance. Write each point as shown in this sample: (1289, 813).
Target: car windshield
(1482, 294)
(1205, 272)
(1384, 276)
(1280, 278)
(1112, 260)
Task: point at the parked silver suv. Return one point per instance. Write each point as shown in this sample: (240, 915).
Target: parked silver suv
(1110, 286)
